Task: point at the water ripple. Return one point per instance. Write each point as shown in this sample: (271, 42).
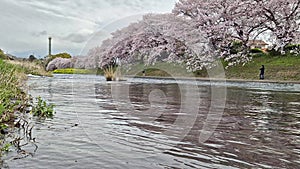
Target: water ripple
(259, 129)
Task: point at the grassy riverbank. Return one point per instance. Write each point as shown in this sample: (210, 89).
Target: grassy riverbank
(29, 67)
(277, 68)
(13, 99)
(11, 93)
(75, 71)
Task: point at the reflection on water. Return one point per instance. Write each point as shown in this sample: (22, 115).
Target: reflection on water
(91, 129)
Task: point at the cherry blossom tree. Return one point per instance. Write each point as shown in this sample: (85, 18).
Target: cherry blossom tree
(157, 37)
(84, 62)
(59, 63)
(198, 32)
(281, 20)
(226, 21)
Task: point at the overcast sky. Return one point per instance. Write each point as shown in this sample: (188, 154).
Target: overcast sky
(27, 24)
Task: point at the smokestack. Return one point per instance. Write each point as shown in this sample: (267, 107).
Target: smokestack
(50, 45)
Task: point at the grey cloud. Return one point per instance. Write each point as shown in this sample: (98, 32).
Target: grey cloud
(77, 37)
(38, 34)
(28, 22)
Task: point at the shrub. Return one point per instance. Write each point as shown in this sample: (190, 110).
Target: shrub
(256, 50)
(42, 109)
(61, 55)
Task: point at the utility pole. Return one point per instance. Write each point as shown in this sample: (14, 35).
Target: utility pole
(49, 46)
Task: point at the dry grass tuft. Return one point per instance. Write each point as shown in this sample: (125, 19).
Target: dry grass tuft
(110, 73)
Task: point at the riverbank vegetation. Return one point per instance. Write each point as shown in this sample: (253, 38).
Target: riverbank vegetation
(42, 109)
(25, 67)
(75, 71)
(15, 102)
(12, 97)
(278, 68)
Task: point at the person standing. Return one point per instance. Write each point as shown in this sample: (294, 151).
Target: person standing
(144, 73)
(262, 72)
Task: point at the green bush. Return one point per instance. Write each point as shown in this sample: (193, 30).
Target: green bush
(61, 55)
(256, 50)
(42, 109)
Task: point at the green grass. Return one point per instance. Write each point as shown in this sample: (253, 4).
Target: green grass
(74, 71)
(10, 89)
(13, 98)
(161, 69)
(283, 68)
(277, 68)
(2, 55)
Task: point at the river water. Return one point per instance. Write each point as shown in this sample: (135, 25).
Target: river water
(156, 123)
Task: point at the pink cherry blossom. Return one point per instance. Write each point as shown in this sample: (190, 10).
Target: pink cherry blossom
(199, 31)
(59, 63)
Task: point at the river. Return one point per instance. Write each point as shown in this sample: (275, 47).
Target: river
(157, 123)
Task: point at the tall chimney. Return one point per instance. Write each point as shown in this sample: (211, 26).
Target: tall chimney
(50, 45)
